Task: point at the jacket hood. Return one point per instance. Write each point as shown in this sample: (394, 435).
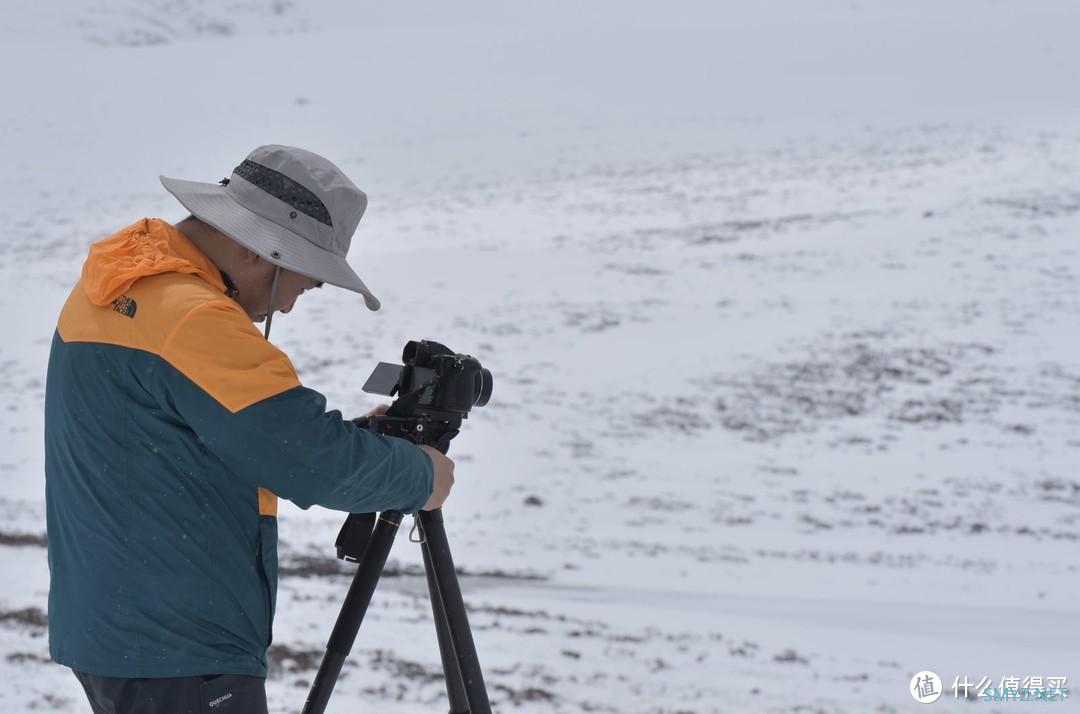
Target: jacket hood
(149, 247)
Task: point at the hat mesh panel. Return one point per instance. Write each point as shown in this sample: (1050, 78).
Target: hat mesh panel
(284, 189)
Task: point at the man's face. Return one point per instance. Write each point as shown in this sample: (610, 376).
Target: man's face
(255, 280)
(290, 287)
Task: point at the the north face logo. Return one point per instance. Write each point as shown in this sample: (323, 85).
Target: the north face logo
(125, 306)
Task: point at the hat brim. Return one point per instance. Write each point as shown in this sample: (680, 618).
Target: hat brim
(278, 245)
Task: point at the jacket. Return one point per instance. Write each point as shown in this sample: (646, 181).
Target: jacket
(171, 428)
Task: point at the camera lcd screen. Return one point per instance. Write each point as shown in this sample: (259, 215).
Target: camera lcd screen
(384, 379)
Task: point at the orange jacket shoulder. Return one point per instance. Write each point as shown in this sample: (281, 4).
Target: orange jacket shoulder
(216, 346)
(141, 318)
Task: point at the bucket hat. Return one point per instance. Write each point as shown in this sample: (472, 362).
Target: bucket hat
(292, 207)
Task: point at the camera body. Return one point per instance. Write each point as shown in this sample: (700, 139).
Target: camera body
(435, 388)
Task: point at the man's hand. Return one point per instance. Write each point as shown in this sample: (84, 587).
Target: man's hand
(377, 411)
(444, 478)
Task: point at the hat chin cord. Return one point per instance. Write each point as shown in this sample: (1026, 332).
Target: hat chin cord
(273, 298)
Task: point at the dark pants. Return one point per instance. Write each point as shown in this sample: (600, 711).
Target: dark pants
(220, 694)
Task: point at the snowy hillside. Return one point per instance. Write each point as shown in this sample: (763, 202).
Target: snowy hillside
(781, 300)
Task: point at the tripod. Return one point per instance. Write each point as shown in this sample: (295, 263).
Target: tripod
(367, 539)
(437, 388)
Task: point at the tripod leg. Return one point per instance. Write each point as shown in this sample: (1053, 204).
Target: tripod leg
(447, 591)
(455, 685)
(352, 610)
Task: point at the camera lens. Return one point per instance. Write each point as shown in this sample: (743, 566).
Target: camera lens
(483, 387)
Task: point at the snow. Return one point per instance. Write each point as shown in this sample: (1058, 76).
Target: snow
(780, 299)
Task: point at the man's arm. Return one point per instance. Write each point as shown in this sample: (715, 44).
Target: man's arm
(241, 395)
(292, 446)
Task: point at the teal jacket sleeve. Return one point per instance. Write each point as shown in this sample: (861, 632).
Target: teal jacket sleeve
(242, 398)
(292, 446)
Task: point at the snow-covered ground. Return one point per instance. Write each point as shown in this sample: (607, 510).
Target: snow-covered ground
(781, 301)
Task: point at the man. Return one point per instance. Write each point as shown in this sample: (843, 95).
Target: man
(172, 426)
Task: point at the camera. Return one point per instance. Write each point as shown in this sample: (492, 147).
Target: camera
(436, 388)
